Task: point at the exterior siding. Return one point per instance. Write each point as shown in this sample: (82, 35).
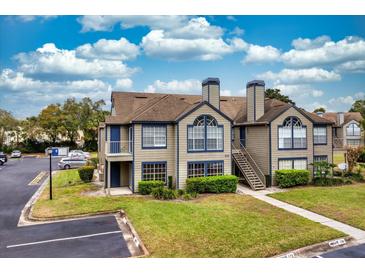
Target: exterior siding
(321, 150)
(236, 136)
(257, 144)
(211, 95)
(153, 155)
(185, 157)
(298, 153)
(255, 95)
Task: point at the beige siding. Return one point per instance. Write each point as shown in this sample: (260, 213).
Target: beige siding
(276, 153)
(250, 104)
(185, 157)
(153, 155)
(321, 150)
(236, 133)
(255, 95)
(211, 95)
(257, 144)
(260, 101)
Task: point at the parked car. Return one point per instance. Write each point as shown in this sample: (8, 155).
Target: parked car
(71, 162)
(79, 153)
(3, 158)
(16, 154)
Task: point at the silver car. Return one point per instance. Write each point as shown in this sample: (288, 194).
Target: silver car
(71, 162)
(78, 153)
(16, 154)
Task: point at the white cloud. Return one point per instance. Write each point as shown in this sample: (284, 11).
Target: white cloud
(51, 61)
(29, 18)
(297, 91)
(231, 18)
(330, 53)
(292, 76)
(359, 95)
(306, 43)
(196, 28)
(237, 31)
(256, 53)
(17, 86)
(314, 105)
(120, 49)
(226, 92)
(175, 86)
(156, 44)
(123, 84)
(347, 100)
(352, 66)
(107, 22)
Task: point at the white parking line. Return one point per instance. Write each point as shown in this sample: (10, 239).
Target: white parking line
(64, 239)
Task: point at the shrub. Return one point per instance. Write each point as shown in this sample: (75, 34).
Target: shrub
(93, 162)
(86, 173)
(362, 157)
(212, 184)
(352, 155)
(291, 177)
(186, 196)
(180, 192)
(145, 187)
(169, 184)
(354, 176)
(164, 193)
(335, 181)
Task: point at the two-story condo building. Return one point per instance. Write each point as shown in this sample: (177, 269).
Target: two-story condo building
(154, 136)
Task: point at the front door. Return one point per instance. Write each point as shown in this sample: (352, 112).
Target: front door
(242, 136)
(115, 139)
(115, 174)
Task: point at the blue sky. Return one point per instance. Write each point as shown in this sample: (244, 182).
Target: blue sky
(316, 60)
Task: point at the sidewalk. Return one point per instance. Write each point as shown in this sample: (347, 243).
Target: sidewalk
(357, 234)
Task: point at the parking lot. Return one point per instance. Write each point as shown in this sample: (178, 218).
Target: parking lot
(90, 237)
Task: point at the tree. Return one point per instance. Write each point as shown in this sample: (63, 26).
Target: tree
(71, 119)
(320, 109)
(91, 115)
(358, 106)
(352, 155)
(7, 123)
(50, 120)
(275, 94)
(30, 128)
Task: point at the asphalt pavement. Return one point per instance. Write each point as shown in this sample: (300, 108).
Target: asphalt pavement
(96, 237)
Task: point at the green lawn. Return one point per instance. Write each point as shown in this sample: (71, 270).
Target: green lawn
(338, 157)
(342, 203)
(226, 225)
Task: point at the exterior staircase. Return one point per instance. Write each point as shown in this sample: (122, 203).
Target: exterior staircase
(251, 172)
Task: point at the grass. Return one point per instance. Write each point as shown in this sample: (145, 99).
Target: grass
(225, 225)
(343, 203)
(338, 157)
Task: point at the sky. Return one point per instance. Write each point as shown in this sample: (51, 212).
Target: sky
(315, 60)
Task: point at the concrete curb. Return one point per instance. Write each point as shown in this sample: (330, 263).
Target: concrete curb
(319, 248)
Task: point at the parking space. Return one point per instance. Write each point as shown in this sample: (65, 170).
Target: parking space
(90, 237)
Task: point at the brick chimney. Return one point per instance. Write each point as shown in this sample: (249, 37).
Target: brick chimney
(211, 91)
(255, 100)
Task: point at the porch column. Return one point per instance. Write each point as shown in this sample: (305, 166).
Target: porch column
(109, 167)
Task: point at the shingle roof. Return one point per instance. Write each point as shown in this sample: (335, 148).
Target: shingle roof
(160, 107)
(348, 116)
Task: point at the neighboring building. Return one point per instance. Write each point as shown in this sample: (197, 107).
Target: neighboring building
(152, 136)
(347, 129)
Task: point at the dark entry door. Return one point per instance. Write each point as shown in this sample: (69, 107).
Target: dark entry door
(115, 139)
(115, 174)
(242, 136)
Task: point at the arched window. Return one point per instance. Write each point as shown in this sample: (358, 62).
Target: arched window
(292, 134)
(353, 130)
(205, 134)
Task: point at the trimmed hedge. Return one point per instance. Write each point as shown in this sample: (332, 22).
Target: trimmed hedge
(212, 184)
(93, 162)
(162, 193)
(86, 173)
(145, 187)
(291, 177)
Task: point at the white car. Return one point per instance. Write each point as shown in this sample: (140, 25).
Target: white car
(16, 154)
(71, 162)
(79, 154)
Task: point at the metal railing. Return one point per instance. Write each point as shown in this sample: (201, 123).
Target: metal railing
(251, 161)
(119, 147)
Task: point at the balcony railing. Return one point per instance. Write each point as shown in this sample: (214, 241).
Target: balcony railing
(119, 147)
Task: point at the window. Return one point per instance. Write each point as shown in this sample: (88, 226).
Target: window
(200, 169)
(353, 142)
(319, 135)
(293, 164)
(292, 134)
(320, 158)
(353, 130)
(154, 171)
(153, 136)
(205, 135)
